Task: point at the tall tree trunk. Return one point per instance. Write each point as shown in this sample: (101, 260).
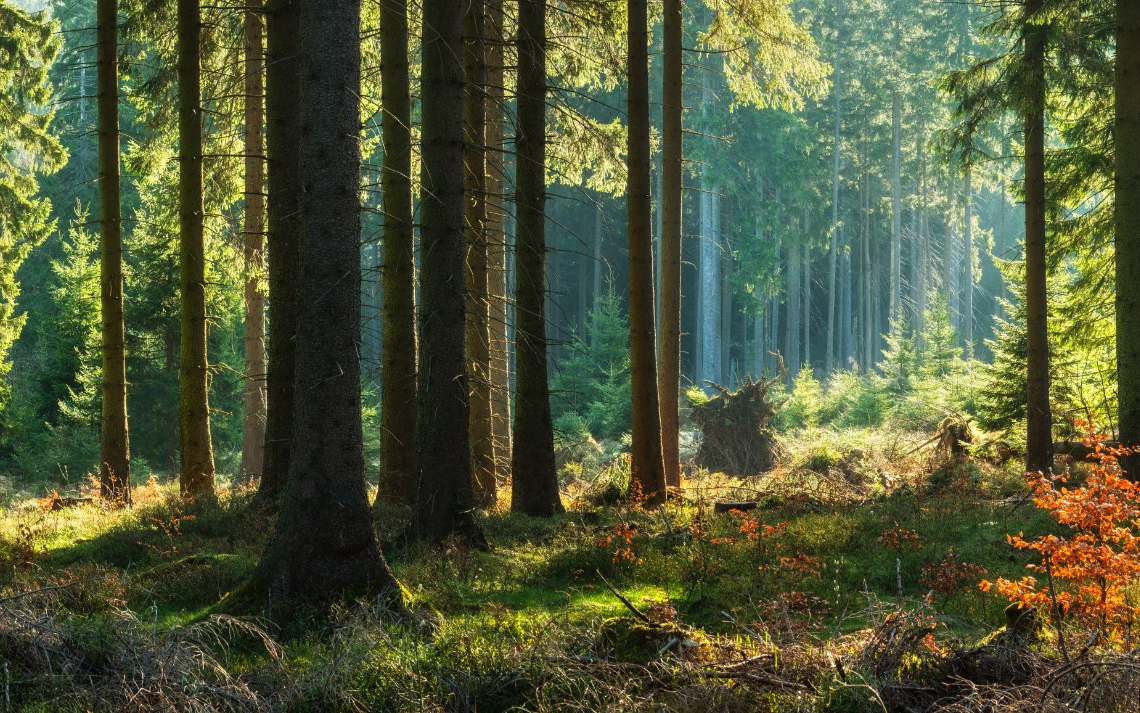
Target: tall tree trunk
(1128, 228)
(669, 331)
(114, 445)
(968, 256)
(896, 214)
(807, 289)
(197, 474)
(950, 260)
(834, 236)
(253, 401)
(1039, 445)
(445, 495)
(923, 270)
(845, 305)
(868, 270)
(495, 230)
(398, 369)
(478, 335)
(324, 545)
(647, 463)
(792, 323)
(282, 136)
(534, 481)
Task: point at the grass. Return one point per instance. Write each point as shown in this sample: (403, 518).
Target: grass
(517, 627)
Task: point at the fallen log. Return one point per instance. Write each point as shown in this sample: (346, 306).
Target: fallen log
(742, 506)
(1078, 450)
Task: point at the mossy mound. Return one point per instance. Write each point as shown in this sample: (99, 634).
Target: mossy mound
(630, 640)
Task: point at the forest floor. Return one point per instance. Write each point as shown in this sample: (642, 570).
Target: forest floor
(851, 587)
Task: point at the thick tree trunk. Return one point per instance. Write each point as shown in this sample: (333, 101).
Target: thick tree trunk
(282, 136)
(1128, 227)
(534, 479)
(480, 426)
(398, 356)
(669, 331)
(1038, 416)
(495, 229)
(114, 450)
(197, 473)
(324, 545)
(444, 497)
(647, 464)
(253, 238)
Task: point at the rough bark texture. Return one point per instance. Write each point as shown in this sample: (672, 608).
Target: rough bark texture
(197, 472)
(398, 366)
(1039, 444)
(646, 464)
(1128, 227)
(475, 216)
(669, 331)
(282, 136)
(534, 478)
(253, 402)
(324, 545)
(444, 497)
(115, 455)
(495, 229)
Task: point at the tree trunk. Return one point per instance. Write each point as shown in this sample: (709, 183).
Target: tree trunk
(647, 463)
(1038, 417)
(324, 545)
(444, 496)
(115, 455)
(480, 426)
(792, 324)
(968, 257)
(710, 264)
(197, 473)
(495, 230)
(833, 238)
(398, 355)
(806, 286)
(895, 321)
(1128, 227)
(534, 481)
(253, 402)
(282, 136)
(669, 334)
(923, 269)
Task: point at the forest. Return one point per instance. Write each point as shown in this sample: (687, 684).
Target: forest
(558, 356)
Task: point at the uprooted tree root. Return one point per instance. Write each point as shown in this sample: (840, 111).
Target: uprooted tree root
(736, 427)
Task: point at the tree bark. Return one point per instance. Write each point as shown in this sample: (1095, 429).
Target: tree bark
(282, 136)
(115, 456)
(254, 398)
(444, 495)
(968, 257)
(895, 321)
(1127, 203)
(833, 238)
(324, 545)
(534, 479)
(475, 211)
(1038, 416)
(197, 472)
(647, 464)
(792, 324)
(398, 365)
(669, 335)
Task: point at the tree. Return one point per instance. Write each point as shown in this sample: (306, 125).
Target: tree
(1039, 446)
(534, 479)
(324, 544)
(398, 377)
(669, 333)
(1127, 219)
(282, 135)
(444, 494)
(253, 239)
(647, 464)
(114, 444)
(197, 469)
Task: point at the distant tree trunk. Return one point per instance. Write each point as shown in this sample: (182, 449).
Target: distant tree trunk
(845, 305)
(282, 136)
(868, 270)
(792, 323)
(114, 445)
(253, 402)
(806, 285)
(647, 462)
(1128, 227)
(495, 230)
(923, 270)
(950, 260)
(833, 237)
(534, 479)
(324, 545)
(445, 495)
(968, 256)
(669, 332)
(398, 365)
(1039, 445)
(197, 474)
(896, 214)
(478, 336)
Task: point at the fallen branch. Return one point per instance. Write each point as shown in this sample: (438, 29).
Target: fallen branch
(628, 604)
